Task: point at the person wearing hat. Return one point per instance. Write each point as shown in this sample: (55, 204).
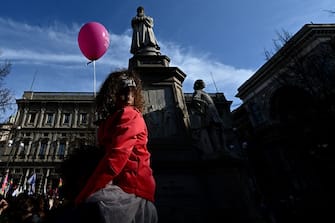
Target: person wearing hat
(122, 184)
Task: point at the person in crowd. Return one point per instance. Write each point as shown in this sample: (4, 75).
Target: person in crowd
(3, 205)
(24, 208)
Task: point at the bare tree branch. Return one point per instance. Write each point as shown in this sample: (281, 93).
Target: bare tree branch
(5, 70)
(283, 37)
(6, 97)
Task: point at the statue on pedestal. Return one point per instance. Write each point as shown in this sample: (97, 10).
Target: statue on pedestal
(143, 40)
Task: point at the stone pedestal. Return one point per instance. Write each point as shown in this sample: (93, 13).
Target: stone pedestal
(148, 61)
(165, 110)
(189, 189)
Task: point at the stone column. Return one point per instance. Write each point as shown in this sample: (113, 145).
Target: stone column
(46, 181)
(38, 149)
(75, 118)
(35, 142)
(24, 117)
(41, 117)
(47, 150)
(25, 180)
(40, 184)
(28, 151)
(58, 117)
(66, 148)
(54, 147)
(20, 181)
(17, 118)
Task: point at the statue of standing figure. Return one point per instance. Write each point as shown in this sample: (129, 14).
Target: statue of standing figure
(143, 40)
(206, 123)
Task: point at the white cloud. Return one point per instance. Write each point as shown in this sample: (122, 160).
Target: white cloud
(31, 56)
(56, 47)
(217, 75)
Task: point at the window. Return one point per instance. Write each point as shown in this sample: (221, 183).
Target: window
(22, 150)
(42, 150)
(50, 117)
(66, 119)
(32, 118)
(61, 150)
(83, 118)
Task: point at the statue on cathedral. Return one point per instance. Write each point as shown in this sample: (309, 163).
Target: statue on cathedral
(206, 123)
(143, 40)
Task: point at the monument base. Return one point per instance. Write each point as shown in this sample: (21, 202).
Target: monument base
(189, 188)
(149, 61)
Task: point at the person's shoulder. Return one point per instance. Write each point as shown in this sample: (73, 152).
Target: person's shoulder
(129, 113)
(130, 109)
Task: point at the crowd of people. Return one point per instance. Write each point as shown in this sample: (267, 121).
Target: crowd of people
(108, 182)
(28, 208)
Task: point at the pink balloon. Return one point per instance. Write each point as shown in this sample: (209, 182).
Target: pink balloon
(93, 40)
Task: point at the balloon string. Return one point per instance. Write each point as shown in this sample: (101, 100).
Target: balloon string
(94, 82)
(94, 76)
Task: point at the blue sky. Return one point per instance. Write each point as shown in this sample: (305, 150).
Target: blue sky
(225, 38)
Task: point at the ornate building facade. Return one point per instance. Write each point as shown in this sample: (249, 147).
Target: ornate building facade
(288, 119)
(47, 126)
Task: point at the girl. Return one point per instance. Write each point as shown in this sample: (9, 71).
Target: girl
(122, 184)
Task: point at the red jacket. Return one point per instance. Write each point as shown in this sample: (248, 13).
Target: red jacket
(127, 160)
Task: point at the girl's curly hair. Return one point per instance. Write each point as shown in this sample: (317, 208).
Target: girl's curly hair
(106, 97)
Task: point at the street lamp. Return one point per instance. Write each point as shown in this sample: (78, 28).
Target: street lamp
(10, 143)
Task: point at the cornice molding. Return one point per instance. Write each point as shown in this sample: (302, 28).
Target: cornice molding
(304, 37)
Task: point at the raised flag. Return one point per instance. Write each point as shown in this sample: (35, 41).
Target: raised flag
(31, 181)
(4, 184)
(60, 182)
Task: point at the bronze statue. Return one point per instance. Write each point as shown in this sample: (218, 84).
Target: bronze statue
(206, 123)
(143, 41)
